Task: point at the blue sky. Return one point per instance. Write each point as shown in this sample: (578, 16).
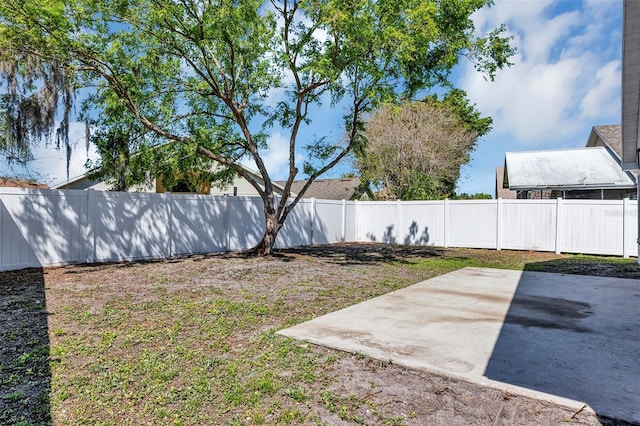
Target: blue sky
(565, 79)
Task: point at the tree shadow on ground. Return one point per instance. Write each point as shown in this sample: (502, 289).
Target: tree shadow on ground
(366, 253)
(25, 375)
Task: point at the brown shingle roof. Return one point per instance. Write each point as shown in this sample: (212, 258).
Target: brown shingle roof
(328, 189)
(19, 183)
(611, 135)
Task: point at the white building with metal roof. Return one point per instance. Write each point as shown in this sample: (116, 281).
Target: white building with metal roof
(569, 173)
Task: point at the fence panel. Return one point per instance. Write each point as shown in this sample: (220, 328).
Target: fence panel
(528, 225)
(593, 228)
(297, 229)
(377, 221)
(351, 221)
(198, 223)
(246, 222)
(63, 229)
(421, 223)
(473, 224)
(15, 251)
(329, 222)
(631, 228)
(16, 222)
(42, 227)
(130, 226)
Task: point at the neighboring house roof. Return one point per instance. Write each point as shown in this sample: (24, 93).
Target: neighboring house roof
(19, 183)
(566, 169)
(332, 189)
(609, 136)
(73, 180)
(630, 86)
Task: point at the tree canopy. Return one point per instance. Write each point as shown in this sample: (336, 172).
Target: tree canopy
(201, 74)
(414, 151)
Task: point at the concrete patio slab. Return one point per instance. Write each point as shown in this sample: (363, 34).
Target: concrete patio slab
(568, 339)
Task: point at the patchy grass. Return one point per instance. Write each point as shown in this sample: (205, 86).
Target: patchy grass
(192, 341)
(589, 265)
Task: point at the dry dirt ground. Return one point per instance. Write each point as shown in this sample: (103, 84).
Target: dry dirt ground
(67, 334)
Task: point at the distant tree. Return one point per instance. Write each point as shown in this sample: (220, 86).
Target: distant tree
(414, 151)
(456, 100)
(477, 196)
(200, 73)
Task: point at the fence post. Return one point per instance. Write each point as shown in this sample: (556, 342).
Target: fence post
(343, 231)
(313, 218)
(625, 228)
(167, 203)
(91, 225)
(356, 220)
(446, 222)
(398, 219)
(558, 224)
(227, 213)
(499, 224)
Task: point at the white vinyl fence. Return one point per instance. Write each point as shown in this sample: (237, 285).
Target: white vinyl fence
(51, 227)
(606, 227)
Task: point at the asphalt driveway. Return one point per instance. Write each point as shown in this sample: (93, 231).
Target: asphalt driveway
(568, 339)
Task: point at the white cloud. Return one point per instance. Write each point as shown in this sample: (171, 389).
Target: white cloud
(558, 84)
(604, 96)
(566, 79)
(601, 30)
(541, 37)
(517, 12)
(530, 103)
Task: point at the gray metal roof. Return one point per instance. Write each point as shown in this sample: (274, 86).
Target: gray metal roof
(567, 169)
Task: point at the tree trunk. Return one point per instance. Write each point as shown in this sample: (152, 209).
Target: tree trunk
(265, 246)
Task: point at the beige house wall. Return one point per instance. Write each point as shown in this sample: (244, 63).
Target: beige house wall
(240, 186)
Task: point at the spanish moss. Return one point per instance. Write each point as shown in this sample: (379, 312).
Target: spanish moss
(34, 93)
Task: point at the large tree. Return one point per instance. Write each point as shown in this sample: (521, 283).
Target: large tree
(202, 73)
(131, 156)
(414, 151)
